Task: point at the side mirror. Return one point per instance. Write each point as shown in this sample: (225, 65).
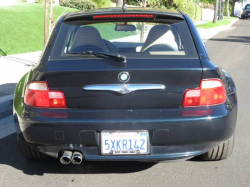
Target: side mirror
(125, 28)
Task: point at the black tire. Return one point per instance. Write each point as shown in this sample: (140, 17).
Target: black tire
(221, 152)
(29, 152)
(242, 17)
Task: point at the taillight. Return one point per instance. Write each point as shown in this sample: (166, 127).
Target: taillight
(210, 92)
(38, 94)
(124, 16)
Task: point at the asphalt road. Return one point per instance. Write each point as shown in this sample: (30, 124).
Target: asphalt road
(230, 50)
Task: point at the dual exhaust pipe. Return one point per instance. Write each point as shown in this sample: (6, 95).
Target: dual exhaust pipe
(71, 157)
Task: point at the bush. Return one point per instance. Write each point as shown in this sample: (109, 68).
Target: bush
(102, 3)
(78, 4)
(198, 14)
(39, 1)
(225, 9)
(133, 2)
(193, 10)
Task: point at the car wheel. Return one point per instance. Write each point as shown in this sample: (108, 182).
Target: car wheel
(222, 151)
(29, 152)
(242, 17)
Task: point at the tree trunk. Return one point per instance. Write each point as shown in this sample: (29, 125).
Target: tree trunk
(119, 3)
(143, 24)
(216, 11)
(228, 14)
(45, 21)
(222, 8)
(233, 6)
(219, 17)
(51, 22)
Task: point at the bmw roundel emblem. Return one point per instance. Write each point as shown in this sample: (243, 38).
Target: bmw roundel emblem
(124, 76)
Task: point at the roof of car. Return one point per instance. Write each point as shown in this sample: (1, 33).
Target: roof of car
(155, 11)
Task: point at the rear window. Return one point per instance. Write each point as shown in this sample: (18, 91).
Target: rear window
(132, 39)
(247, 7)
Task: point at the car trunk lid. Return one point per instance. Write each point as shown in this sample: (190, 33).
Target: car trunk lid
(71, 76)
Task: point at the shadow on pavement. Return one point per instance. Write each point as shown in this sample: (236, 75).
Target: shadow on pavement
(11, 156)
(7, 89)
(237, 39)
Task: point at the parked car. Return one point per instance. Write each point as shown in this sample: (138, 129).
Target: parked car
(125, 84)
(246, 12)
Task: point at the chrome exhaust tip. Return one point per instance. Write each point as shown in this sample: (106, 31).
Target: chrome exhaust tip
(76, 158)
(66, 157)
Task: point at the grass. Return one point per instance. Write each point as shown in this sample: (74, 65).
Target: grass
(108, 32)
(22, 27)
(208, 25)
(230, 18)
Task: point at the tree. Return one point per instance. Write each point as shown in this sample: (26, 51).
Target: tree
(143, 3)
(45, 21)
(228, 14)
(51, 21)
(216, 11)
(233, 6)
(119, 3)
(222, 8)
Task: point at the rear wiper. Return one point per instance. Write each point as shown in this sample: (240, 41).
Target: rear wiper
(119, 57)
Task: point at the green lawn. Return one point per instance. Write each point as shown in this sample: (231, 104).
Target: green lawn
(22, 27)
(107, 31)
(230, 18)
(223, 22)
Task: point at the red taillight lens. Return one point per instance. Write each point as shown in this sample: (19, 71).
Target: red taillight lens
(210, 92)
(124, 16)
(37, 94)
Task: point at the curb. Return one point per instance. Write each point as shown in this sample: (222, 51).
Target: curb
(234, 21)
(6, 106)
(215, 30)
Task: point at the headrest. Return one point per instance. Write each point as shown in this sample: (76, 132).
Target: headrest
(88, 36)
(157, 35)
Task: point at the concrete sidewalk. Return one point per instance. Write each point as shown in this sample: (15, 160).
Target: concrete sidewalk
(13, 67)
(206, 34)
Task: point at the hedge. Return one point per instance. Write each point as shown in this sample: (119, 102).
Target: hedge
(193, 10)
(78, 4)
(225, 9)
(102, 3)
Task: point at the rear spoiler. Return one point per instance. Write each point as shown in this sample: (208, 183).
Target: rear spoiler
(122, 16)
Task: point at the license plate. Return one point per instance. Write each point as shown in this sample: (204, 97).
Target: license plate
(124, 142)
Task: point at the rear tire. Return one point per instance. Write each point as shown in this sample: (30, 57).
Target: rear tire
(29, 152)
(221, 152)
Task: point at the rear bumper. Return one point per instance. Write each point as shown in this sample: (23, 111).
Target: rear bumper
(173, 133)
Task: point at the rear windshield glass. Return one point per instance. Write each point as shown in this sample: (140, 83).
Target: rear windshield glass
(132, 39)
(247, 7)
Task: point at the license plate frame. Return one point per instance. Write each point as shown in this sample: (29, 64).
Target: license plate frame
(102, 146)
